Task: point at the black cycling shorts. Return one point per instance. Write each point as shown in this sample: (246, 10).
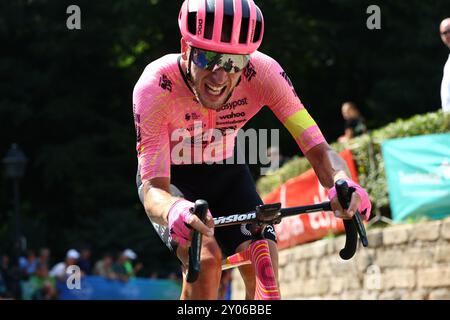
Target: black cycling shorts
(228, 189)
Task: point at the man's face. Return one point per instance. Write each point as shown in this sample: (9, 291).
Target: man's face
(346, 112)
(445, 32)
(349, 111)
(213, 87)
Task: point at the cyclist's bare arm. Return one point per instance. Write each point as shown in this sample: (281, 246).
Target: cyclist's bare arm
(158, 201)
(327, 164)
(330, 167)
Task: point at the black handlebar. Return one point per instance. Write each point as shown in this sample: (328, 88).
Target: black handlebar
(267, 214)
(354, 226)
(200, 210)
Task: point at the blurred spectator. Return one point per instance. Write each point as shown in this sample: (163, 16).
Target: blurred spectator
(124, 266)
(43, 286)
(85, 261)
(175, 276)
(131, 270)
(104, 267)
(44, 256)
(354, 122)
(28, 264)
(6, 277)
(59, 270)
(3, 289)
(444, 30)
(172, 276)
(128, 265)
(121, 266)
(154, 275)
(12, 276)
(138, 270)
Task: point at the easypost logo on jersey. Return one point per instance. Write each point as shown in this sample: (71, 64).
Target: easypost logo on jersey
(198, 144)
(233, 105)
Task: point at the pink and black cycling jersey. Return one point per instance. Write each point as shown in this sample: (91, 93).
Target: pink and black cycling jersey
(169, 120)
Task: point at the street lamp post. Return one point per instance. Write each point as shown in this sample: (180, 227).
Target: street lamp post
(15, 162)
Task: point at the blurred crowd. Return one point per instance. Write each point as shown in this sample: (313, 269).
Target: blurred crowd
(36, 275)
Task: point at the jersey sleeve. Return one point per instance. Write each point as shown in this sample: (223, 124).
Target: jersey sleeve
(279, 95)
(151, 115)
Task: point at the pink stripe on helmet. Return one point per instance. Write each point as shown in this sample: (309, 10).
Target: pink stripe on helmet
(218, 20)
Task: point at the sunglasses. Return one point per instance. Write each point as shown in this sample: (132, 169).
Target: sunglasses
(210, 60)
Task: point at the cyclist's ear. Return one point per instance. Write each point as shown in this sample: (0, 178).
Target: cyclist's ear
(184, 49)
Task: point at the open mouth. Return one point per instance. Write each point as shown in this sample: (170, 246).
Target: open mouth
(215, 90)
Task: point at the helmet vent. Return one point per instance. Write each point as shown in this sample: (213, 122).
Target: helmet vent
(192, 22)
(258, 26)
(245, 22)
(227, 22)
(209, 19)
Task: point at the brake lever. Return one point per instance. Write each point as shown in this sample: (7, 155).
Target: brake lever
(200, 210)
(354, 226)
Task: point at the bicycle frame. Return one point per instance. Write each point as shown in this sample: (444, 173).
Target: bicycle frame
(258, 251)
(258, 254)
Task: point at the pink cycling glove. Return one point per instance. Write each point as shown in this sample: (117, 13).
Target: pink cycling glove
(365, 206)
(179, 218)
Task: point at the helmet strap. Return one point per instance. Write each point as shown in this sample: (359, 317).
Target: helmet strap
(188, 70)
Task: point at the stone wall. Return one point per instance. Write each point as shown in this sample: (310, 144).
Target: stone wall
(408, 261)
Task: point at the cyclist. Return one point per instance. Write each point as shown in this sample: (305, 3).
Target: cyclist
(219, 81)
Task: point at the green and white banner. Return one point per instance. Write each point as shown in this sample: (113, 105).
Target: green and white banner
(418, 176)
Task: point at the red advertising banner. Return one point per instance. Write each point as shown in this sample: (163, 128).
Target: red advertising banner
(303, 190)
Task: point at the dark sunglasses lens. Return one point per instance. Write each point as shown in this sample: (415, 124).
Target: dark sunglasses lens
(199, 58)
(209, 60)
